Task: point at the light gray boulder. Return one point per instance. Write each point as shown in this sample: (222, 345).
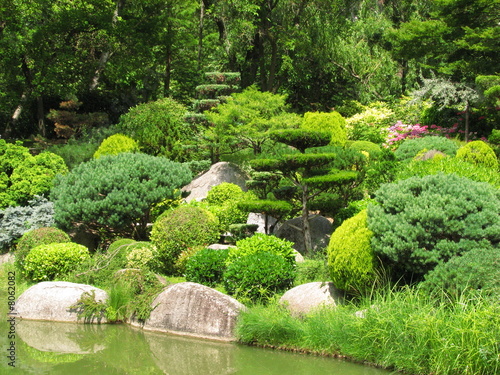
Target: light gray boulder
(260, 220)
(306, 297)
(196, 310)
(217, 174)
(52, 300)
(321, 230)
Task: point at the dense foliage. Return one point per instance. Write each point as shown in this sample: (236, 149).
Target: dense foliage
(411, 147)
(115, 193)
(207, 266)
(478, 153)
(116, 144)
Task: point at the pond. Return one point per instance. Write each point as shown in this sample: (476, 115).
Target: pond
(64, 348)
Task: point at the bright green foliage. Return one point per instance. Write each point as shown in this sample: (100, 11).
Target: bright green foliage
(35, 176)
(371, 148)
(477, 269)
(117, 192)
(311, 270)
(142, 255)
(478, 153)
(11, 155)
(350, 257)
(116, 144)
(423, 221)
(207, 266)
(181, 228)
(222, 193)
(158, 127)
(257, 276)
(119, 250)
(411, 147)
(36, 237)
(260, 243)
(47, 262)
(449, 165)
(370, 124)
(331, 122)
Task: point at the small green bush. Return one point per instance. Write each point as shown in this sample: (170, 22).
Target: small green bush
(350, 257)
(257, 276)
(116, 144)
(478, 153)
(370, 124)
(47, 262)
(371, 148)
(36, 237)
(477, 269)
(311, 270)
(262, 243)
(207, 266)
(181, 228)
(411, 147)
(331, 122)
(222, 193)
(143, 255)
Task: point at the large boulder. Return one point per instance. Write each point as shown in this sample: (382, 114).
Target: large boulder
(196, 310)
(217, 174)
(321, 230)
(260, 220)
(306, 297)
(52, 300)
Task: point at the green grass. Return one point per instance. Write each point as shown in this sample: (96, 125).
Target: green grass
(401, 330)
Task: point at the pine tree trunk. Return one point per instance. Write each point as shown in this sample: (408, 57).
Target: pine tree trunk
(306, 229)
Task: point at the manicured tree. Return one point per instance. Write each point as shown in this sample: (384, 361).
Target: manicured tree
(421, 222)
(331, 122)
(310, 174)
(115, 193)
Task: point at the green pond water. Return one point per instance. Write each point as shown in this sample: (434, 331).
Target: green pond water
(64, 348)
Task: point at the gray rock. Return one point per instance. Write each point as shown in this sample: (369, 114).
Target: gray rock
(259, 219)
(321, 230)
(217, 174)
(306, 297)
(51, 300)
(196, 310)
(219, 246)
(298, 257)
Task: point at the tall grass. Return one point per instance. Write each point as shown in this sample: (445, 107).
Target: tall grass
(404, 330)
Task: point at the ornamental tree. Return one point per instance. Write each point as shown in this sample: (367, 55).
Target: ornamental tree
(115, 193)
(310, 174)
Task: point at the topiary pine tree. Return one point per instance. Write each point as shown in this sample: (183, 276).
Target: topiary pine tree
(310, 174)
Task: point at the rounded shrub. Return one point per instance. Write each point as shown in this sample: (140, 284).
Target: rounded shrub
(47, 262)
(116, 144)
(423, 221)
(143, 255)
(371, 148)
(262, 243)
(207, 266)
(36, 237)
(181, 228)
(477, 269)
(411, 147)
(478, 153)
(222, 193)
(350, 257)
(257, 276)
(331, 122)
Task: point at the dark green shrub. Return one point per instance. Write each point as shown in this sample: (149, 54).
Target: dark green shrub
(411, 147)
(115, 193)
(262, 243)
(423, 221)
(36, 237)
(477, 269)
(15, 221)
(181, 228)
(207, 266)
(47, 262)
(116, 144)
(158, 127)
(350, 257)
(257, 276)
(353, 208)
(478, 153)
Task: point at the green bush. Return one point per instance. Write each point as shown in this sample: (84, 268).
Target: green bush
(370, 124)
(331, 122)
(262, 243)
(181, 228)
(423, 221)
(207, 266)
(311, 270)
(411, 147)
(47, 262)
(158, 127)
(477, 269)
(257, 276)
(115, 194)
(478, 153)
(36, 237)
(143, 255)
(222, 193)
(116, 144)
(350, 257)
(373, 149)
(12, 155)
